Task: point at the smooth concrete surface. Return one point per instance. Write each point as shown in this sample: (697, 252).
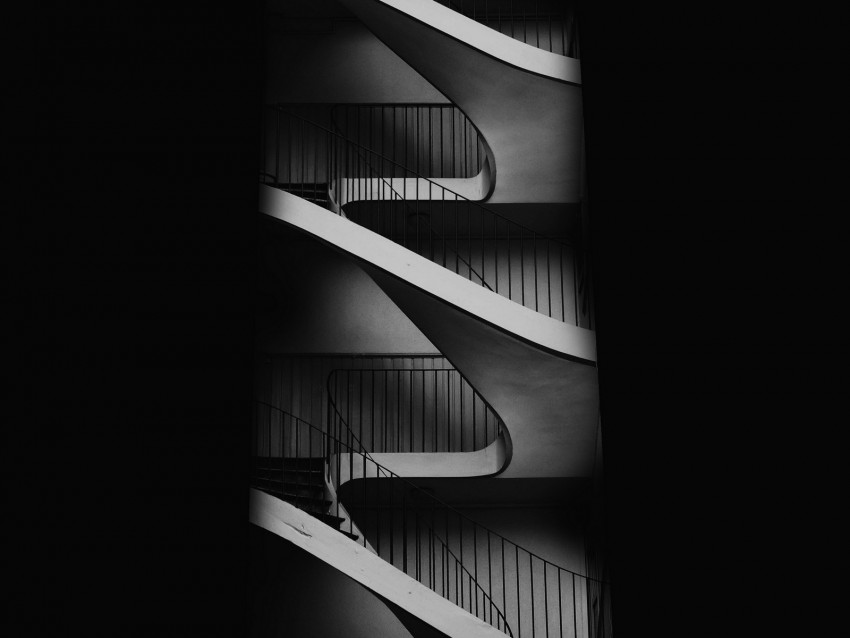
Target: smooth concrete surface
(319, 301)
(549, 404)
(351, 559)
(526, 102)
(293, 593)
(334, 62)
(376, 252)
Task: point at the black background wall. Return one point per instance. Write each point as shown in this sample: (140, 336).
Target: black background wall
(132, 253)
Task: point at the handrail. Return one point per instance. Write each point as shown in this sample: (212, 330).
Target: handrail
(400, 198)
(451, 147)
(534, 275)
(391, 392)
(328, 441)
(456, 526)
(566, 32)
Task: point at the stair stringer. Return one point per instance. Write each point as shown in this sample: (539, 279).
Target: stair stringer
(526, 103)
(421, 608)
(372, 250)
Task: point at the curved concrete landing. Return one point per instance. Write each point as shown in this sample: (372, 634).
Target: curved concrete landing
(381, 255)
(526, 102)
(439, 616)
(548, 403)
(412, 465)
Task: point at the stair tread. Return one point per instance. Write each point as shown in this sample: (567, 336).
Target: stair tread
(284, 495)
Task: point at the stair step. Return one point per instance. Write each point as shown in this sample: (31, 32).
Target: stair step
(316, 464)
(311, 479)
(299, 500)
(353, 537)
(330, 519)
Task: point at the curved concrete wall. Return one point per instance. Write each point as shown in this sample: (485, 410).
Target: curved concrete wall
(526, 102)
(538, 374)
(548, 403)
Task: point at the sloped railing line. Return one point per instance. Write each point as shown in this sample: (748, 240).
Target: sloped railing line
(506, 567)
(516, 262)
(411, 212)
(437, 140)
(413, 410)
(525, 20)
(290, 439)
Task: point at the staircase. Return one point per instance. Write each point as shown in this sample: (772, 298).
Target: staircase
(509, 306)
(299, 481)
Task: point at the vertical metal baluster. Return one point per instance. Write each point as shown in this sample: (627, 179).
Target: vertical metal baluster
(448, 413)
(522, 264)
(575, 281)
(518, 602)
(443, 227)
(531, 568)
(404, 528)
(548, 280)
(398, 412)
(510, 278)
(277, 149)
(442, 141)
(298, 457)
(436, 404)
(469, 240)
(483, 248)
(564, 35)
(496, 254)
(560, 611)
(537, 23)
(475, 561)
(462, 413)
(454, 151)
(474, 438)
(563, 292)
(301, 178)
(315, 163)
(433, 562)
(545, 599)
(460, 535)
(575, 620)
(504, 582)
(423, 409)
(534, 245)
(360, 406)
(386, 410)
(410, 446)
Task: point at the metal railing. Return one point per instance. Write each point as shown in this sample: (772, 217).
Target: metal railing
(545, 24)
(411, 410)
(435, 140)
(536, 271)
(489, 576)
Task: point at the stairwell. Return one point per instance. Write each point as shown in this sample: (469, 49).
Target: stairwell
(511, 308)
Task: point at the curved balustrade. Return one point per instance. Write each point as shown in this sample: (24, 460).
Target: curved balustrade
(545, 24)
(434, 410)
(511, 588)
(426, 217)
(436, 140)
